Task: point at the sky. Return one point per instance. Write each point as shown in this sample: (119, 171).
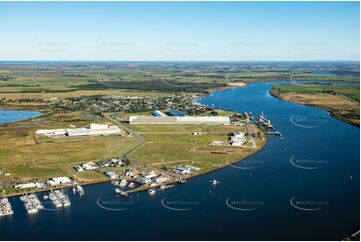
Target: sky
(180, 31)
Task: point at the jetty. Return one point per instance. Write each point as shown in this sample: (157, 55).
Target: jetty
(59, 198)
(32, 203)
(5, 207)
(264, 122)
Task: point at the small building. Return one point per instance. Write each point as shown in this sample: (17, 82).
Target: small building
(59, 181)
(111, 174)
(161, 179)
(29, 185)
(89, 166)
(182, 170)
(192, 168)
(237, 139)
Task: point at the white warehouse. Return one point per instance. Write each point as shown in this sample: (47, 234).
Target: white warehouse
(206, 120)
(93, 129)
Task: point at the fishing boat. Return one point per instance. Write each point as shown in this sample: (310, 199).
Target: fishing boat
(151, 192)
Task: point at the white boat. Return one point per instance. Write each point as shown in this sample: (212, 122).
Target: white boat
(131, 185)
(214, 182)
(79, 190)
(151, 192)
(32, 210)
(123, 183)
(45, 197)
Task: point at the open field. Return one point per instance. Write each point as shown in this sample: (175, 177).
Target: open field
(29, 156)
(78, 93)
(71, 79)
(342, 101)
(169, 145)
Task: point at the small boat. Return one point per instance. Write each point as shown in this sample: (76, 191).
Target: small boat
(79, 190)
(151, 192)
(125, 194)
(123, 183)
(131, 185)
(214, 182)
(45, 197)
(118, 191)
(162, 187)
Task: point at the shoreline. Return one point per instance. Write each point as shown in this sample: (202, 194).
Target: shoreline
(315, 106)
(229, 85)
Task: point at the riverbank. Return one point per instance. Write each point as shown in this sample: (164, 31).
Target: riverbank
(229, 85)
(342, 101)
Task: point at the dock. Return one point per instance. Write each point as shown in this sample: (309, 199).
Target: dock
(264, 122)
(32, 203)
(5, 207)
(59, 198)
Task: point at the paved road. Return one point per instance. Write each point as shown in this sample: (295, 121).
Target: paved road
(139, 143)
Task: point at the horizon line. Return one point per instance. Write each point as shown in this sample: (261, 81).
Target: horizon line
(53, 60)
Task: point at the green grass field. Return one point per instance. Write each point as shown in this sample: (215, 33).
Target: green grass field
(170, 145)
(28, 156)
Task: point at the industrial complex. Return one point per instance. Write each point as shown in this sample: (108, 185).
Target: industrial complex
(92, 129)
(176, 117)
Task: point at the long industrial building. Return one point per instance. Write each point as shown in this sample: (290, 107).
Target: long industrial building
(206, 120)
(93, 129)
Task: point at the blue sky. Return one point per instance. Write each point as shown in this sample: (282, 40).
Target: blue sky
(179, 31)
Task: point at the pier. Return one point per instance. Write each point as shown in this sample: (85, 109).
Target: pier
(266, 123)
(32, 203)
(59, 198)
(5, 207)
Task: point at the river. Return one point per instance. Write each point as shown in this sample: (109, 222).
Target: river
(304, 187)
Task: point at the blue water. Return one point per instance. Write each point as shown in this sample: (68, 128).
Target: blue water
(252, 202)
(7, 116)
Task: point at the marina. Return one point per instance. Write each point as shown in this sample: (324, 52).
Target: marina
(5, 207)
